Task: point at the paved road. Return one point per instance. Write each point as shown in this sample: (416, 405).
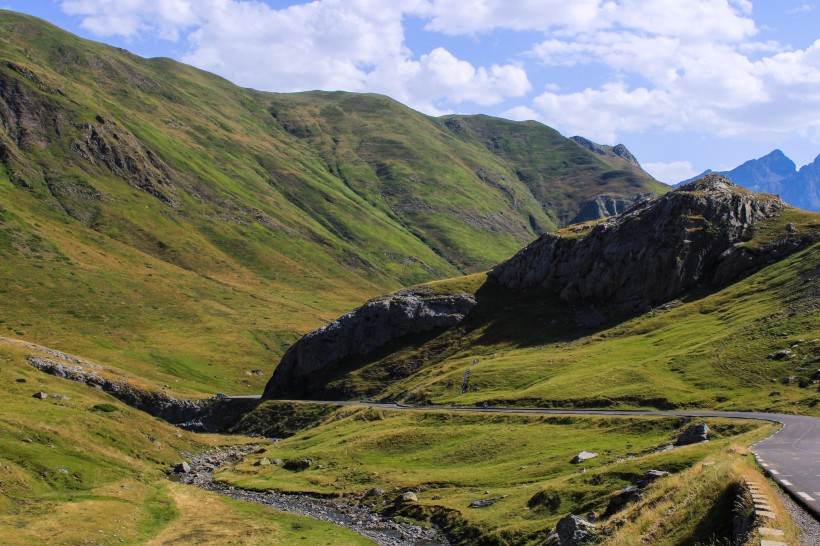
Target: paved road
(791, 455)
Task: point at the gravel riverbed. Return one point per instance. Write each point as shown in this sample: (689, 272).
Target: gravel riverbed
(339, 511)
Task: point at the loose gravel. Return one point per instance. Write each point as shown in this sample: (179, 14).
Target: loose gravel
(345, 513)
(807, 524)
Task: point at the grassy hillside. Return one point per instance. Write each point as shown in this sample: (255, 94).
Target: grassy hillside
(523, 462)
(164, 220)
(707, 349)
(80, 467)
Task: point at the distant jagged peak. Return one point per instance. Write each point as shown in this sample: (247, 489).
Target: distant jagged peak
(619, 150)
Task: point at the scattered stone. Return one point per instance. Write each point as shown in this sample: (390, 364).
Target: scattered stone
(693, 434)
(21, 380)
(407, 496)
(60, 397)
(573, 530)
(40, 395)
(346, 512)
(583, 456)
(483, 503)
(375, 492)
(780, 355)
(264, 461)
(63, 470)
(790, 228)
(619, 500)
(650, 476)
(182, 468)
(278, 462)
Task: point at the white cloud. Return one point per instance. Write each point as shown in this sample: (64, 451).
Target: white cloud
(802, 8)
(667, 65)
(522, 113)
(460, 17)
(129, 18)
(672, 172)
(353, 45)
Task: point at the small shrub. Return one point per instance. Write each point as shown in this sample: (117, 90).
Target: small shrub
(105, 408)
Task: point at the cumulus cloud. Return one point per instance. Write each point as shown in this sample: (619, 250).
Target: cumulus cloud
(676, 66)
(672, 172)
(353, 45)
(668, 65)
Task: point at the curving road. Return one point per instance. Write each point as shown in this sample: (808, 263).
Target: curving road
(791, 456)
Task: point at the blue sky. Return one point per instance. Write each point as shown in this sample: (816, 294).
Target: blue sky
(686, 84)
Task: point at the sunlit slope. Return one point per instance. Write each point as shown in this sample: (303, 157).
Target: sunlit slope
(707, 349)
(161, 218)
(81, 466)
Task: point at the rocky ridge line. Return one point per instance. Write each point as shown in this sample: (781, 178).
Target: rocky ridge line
(655, 251)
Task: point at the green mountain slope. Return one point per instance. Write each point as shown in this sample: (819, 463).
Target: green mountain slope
(164, 220)
(577, 319)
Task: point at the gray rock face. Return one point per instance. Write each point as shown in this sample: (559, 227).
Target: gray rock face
(364, 330)
(693, 434)
(654, 252)
(608, 205)
(572, 530)
(583, 456)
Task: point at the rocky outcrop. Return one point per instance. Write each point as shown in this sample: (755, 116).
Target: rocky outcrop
(693, 434)
(173, 410)
(364, 330)
(619, 150)
(655, 251)
(573, 530)
(604, 206)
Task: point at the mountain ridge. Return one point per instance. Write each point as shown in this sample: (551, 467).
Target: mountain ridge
(148, 205)
(597, 276)
(775, 173)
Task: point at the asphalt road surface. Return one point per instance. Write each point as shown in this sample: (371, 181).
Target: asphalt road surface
(791, 456)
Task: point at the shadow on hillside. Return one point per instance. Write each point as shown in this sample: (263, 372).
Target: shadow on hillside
(517, 319)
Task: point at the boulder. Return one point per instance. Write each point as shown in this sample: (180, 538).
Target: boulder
(182, 468)
(264, 461)
(620, 499)
(693, 434)
(375, 492)
(650, 476)
(407, 496)
(483, 503)
(573, 530)
(39, 395)
(583, 456)
(298, 466)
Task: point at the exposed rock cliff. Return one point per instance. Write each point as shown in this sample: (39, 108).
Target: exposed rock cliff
(608, 205)
(363, 330)
(655, 251)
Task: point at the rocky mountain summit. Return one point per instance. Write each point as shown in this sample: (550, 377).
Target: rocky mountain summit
(655, 251)
(360, 332)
